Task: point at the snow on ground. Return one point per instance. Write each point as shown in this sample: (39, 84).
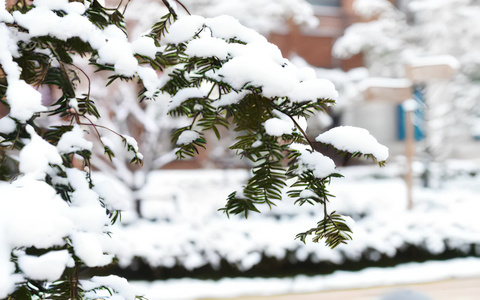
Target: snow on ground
(181, 224)
(233, 287)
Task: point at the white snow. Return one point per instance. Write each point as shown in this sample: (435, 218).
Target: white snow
(448, 60)
(73, 103)
(123, 290)
(49, 266)
(117, 51)
(89, 249)
(38, 216)
(208, 47)
(68, 7)
(354, 139)
(5, 16)
(112, 32)
(115, 195)
(37, 155)
(257, 144)
(350, 223)
(321, 165)
(89, 218)
(196, 234)
(227, 27)
(73, 25)
(409, 273)
(187, 137)
(24, 100)
(258, 71)
(410, 105)
(186, 94)
(145, 46)
(7, 268)
(8, 48)
(133, 143)
(230, 98)
(73, 141)
(307, 194)
(182, 30)
(7, 125)
(282, 124)
(28, 20)
(258, 63)
(178, 224)
(150, 80)
(278, 127)
(313, 89)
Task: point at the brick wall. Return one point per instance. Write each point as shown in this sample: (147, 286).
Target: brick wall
(315, 44)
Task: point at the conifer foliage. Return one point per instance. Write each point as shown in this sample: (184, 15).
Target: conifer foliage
(54, 222)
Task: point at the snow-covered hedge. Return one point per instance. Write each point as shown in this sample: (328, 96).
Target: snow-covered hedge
(182, 228)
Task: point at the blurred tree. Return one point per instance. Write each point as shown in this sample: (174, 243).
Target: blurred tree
(263, 16)
(425, 32)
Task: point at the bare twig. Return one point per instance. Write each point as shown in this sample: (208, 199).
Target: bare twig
(125, 8)
(170, 9)
(88, 79)
(303, 132)
(181, 4)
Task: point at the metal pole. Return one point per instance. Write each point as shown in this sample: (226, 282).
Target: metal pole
(409, 153)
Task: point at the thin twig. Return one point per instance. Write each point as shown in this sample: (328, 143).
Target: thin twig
(325, 216)
(170, 9)
(88, 79)
(183, 7)
(211, 90)
(277, 107)
(101, 126)
(125, 8)
(302, 131)
(15, 140)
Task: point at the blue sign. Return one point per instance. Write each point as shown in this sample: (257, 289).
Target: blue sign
(418, 117)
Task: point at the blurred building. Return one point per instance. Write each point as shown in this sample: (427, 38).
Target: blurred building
(384, 118)
(315, 44)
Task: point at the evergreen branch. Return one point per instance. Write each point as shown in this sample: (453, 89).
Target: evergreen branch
(332, 228)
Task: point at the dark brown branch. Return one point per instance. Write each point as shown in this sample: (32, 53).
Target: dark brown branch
(88, 79)
(74, 283)
(125, 8)
(181, 4)
(303, 132)
(170, 9)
